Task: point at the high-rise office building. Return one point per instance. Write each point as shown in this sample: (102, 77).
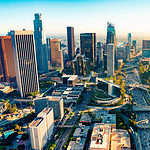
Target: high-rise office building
(88, 46)
(111, 34)
(110, 59)
(56, 53)
(146, 49)
(99, 53)
(48, 45)
(51, 101)
(25, 62)
(111, 39)
(41, 128)
(40, 45)
(134, 44)
(71, 42)
(129, 39)
(80, 65)
(7, 59)
(127, 49)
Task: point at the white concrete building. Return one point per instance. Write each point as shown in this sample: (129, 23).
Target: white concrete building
(25, 62)
(41, 128)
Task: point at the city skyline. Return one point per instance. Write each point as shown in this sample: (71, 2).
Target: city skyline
(84, 16)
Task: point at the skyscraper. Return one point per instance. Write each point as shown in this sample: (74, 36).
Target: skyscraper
(25, 61)
(88, 46)
(129, 39)
(134, 44)
(99, 53)
(80, 65)
(7, 59)
(71, 42)
(40, 45)
(48, 45)
(111, 34)
(56, 53)
(111, 39)
(110, 60)
(146, 50)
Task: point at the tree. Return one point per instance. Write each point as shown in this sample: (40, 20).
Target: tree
(122, 89)
(1, 131)
(17, 127)
(141, 68)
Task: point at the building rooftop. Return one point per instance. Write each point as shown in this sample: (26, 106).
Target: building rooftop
(85, 118)
(36, 122)
(100, 138)
(54, 98)
(109, 118)
(73, 77)
(77, 145)
(82, 131)
(120, 139)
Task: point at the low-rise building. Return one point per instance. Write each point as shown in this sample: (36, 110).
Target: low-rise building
(80, 136)
(100, 139)
(41, 128)
(120, 140)
(70, 80)
(85, 119)
(77, 145)
(106, 137)
(81, 131)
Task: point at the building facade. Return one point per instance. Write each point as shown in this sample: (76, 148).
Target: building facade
(110, 59)
(129, 39)
(99, 54)
(41, 128)
(25, 62)
(146, 50)
(80, 65)
(40, 44)
(56, 53)
(88, 46)
(71, 42)
(111, 39)
(55, 102)
(7, 59)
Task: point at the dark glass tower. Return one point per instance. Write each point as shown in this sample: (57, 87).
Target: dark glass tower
(88, 46)
(111, 34)
(71, 42)
(129, 39)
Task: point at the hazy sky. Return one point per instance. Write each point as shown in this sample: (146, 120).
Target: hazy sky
(85, 15)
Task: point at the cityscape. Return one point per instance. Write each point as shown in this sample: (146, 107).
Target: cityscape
(65, 86)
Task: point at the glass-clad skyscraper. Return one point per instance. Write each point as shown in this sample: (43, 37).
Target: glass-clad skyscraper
(40, 44)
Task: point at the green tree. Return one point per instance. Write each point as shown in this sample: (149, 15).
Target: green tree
(17, 127)
(141, 68)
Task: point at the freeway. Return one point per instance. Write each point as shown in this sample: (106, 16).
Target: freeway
(139, 95)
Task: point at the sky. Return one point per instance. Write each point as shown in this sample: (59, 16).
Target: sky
(84, 15)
